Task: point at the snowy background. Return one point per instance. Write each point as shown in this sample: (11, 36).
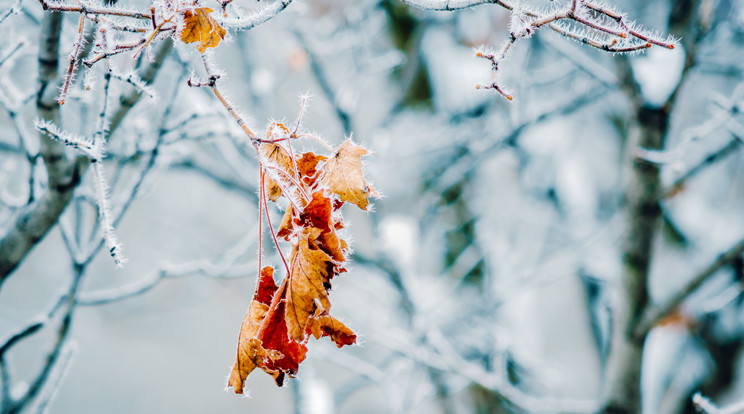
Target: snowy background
(481, 282)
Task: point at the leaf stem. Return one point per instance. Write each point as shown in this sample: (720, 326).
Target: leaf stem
(271, 228)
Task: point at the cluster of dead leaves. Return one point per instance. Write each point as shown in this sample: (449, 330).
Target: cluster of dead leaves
(281, 319)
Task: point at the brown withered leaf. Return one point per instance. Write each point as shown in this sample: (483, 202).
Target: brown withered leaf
(323, 324)
(285, 355)
(307, 166)
(250, 352)
(334, 246)
(311, 272)
(287, 224)
(200, 27)
(280, 157)
(344, 175)
(317, 213)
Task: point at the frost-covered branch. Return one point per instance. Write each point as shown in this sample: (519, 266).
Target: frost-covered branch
(256, 18)
(588, 23)
(8, 54)
(35, 220)
(89, 9)
(74, 60)
(451, 5)
(324, 82)
(92, 150)
(11, 10)
(58, 372)
(222, 180)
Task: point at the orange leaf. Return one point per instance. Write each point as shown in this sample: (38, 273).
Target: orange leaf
(317, 213)
(200, 27)
(285, 355)
(312, 270)
(286, 226)
(280, 158)
(250, 352)
(334, 246)
(307, 166)
(344, 175)
(326, 325)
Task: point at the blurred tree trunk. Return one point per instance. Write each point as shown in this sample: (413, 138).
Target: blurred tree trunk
(624, 365)
(644, 193)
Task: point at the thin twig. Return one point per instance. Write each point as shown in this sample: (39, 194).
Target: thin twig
(67, 302)
(734, 145)
(705, 406)
(655, 314)
(73, 58)
(87, 9)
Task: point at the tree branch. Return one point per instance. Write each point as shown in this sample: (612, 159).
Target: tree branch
(35, 220)
(705, 406)
(451, 5)
(57, 351)
(656, 314)
(708, 161)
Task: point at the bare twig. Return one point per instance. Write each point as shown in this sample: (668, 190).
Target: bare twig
(74, 58)
(225, 267)
(66, 303)
(88, 9)
(10, 52)
(325, 84)
(55, 377)
(260, 17)
(612, 34)
(705, 406)
(13, 9)
(656, 314)
(729, 149)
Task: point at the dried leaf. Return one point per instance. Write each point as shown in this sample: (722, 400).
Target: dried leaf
(307, 166)
(200, 27)
(317, 213)
(250, 353)
(326, 325)
(334, 246)
(287, 225)
(285, 355)
(280, 158)
(309, 282)
(344, 175)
